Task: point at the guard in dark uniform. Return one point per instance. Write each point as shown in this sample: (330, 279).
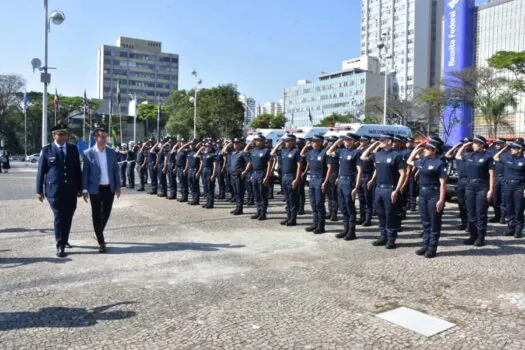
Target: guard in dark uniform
(301, 143)
(461, 187)
(221, 171)
(514, 169)
(479, 167)
(269, 146)
(401, 204)
(348, 157)
(432, 191)
(59, 179)
(365, 170)
(390, 174)
(131, 159)
(229, 180)
(208, 169)
(291, 174)
(142, 166)
(412, 179)
(162, 159)
(122, 155)
(499, 187)
(331, 192)
(171, 172)
(182, 175)
(192, 169)
(152, 166)
(320, 171)
(238, 161)
(260, 165)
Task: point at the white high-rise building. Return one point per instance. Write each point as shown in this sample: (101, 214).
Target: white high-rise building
(411, 32)
(250, 109)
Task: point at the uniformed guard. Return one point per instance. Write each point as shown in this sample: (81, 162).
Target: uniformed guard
(401, 204)
(479, 167)
(390, 174)
(432, 191)
(221, 170)
(301, 143)
(131, 159)
(152, 166)
(142, 166)
(122, 155)
(208, 169)
(182, 176)
(347, 182)
(192, 168)
(260, 165)
(411, 178)
(320, 172)
(238, 161)
(365, 170)
(59, 179)
(162, 159)
(514, 197)
(331, 192)
(171, 171)
(499, 186)
(229, 180)
(291, 175)
(461, 187)
(268, 143)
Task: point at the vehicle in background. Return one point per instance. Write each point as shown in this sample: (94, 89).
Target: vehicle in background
(307, 131)
(270, 134)
(33, 158)
(370, 130)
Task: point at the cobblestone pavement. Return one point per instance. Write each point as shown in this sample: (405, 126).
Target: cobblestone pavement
(180, 277)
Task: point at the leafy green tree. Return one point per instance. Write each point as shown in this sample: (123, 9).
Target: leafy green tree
(278, 121)
(262, 121)
(514, 62)
(437, 100)
(332, 119)
(10, 111)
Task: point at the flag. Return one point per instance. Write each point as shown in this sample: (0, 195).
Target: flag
(118, 93)
(310, 116)
(56, 102)
(26, 101)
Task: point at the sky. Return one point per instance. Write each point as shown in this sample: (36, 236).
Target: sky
(262, 46)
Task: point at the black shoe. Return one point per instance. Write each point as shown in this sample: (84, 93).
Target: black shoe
(255, 216)
(284, 222)
(140, 189)
(61, 253)
(262, 217)
(502, 221)
(311, 228)
(233, 211)
(182, 200)
(494, 219)
(301, 212)
(291, 223)
(413, 209)
(480, 241)
(351, 235)
(204, 205)
(379, 242)
(161, 195)
(238, 212)
(102, 249)
(194, 203)
(68, 245)
(152, 192)
(334, 218)
(391, 244)
(469, 241)
(319, 230)
(421, 251)
(208, 207)
(341, 234)
(367, 223)
(430, 253)
(360, 221)
(461, 227)
(170, 198)
(518, 235)
(231, 200)
(508, 234)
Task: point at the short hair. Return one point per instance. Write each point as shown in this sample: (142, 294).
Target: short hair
(98, 131)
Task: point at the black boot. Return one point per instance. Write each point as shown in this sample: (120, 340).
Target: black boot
(518, 235)
(471, 240)
(238, 212)
(342, 234)
(262, 217)
(380, 241)
(291, 222)
(319, 229)
(502, 220)
(494, 219)
(301, 212)
(480, 241)
(351, 234)
(256, 215)
(421, 251)
(311, 228)
(284, 222)
(391, 244)
(333, 217)
(367, 223)
(431, 252)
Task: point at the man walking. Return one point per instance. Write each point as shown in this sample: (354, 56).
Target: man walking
(59, 170)
(100, 182)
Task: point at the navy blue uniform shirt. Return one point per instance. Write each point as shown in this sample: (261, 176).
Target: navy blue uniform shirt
(181, 159)
(478, 164)
(260, 157)
(388, 164)
(431, 170)
(318, 162)
(514, 167)
(289, 159)
(348, 159)
(193, 162)
(238, 161)
(208, 159)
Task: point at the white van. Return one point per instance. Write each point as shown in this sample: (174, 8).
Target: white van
(307, 131)
(370, 130)
(270, 134)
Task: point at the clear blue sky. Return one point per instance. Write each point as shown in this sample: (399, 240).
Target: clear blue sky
(262, 46)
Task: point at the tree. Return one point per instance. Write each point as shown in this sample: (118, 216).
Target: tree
(513, 62)
(334, 118)
(484, 90)
(437, 101)
(262, 121)
(278, 121)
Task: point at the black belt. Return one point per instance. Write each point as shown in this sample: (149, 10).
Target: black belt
(429, 187)
(103, 187)
(319, 176)
(385, 186)
(478, 180)
(516, 181)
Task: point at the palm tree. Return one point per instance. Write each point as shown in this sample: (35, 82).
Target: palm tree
(496, 110)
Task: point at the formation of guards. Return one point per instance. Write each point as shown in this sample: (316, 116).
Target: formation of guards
(387, 176)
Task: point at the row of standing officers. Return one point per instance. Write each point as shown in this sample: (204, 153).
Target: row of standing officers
(388, 176)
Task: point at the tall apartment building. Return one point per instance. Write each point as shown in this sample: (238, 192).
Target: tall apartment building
(411, 32)
(250, 109)
(141, 68)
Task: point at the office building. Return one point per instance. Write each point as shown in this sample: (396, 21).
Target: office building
(250, 109)
(272, 108)
(141, 68)
(344, 91)
(411, 32)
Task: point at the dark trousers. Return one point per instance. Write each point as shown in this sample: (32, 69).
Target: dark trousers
(229, 184)
(209, 186)
(462, 199)
(143, 177)
(317, 201)
(331, 192)
(346, 203)
(412, 192)
(386, 211)
(152, 169)
(302, 194)
(130, 174)
(430, 218)
(477, 206)
(183, 183)
(123, 167)
(291, 196)
(497, 198)
(171, 179)
(367, 198)
(162, 181)
(101, 204)
(221, 182)
(260, 191)
(515, 204)
(63, 210)
(249, 188)
(238, 191)
(193, 182)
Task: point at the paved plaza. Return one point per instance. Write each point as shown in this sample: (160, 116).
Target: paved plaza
(181, 277)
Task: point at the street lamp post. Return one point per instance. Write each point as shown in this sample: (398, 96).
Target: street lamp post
(193, 100)
(382, 46)
(57, 17)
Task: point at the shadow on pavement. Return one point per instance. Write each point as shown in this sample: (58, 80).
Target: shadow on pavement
(21, 229)
(160, 247)
(63, 317)
(16, 262)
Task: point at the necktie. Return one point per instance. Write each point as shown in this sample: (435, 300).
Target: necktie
(62, 152)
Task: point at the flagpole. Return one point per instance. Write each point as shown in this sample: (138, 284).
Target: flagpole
(84, 126)
(120, 122)
(158, 118)
(25, 130)
(109, 122)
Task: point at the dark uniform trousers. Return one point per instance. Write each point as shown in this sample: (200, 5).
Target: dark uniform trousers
(101, 204)
(193, 182)
(221, 181)
(430, 218)
(386, 211)
(477, 206)
(260, 191)
(183, 183)
(332, 196)
(497, 197)
(412, 192)
(209, 186)
(63, 209)
(249, 188)
(130, 173)
(172, 181)
(237, 184)
(302, 194)
(143, 176)
(152, 169)
(162, 181)
(515, 204)
(123, 167)
(291, 196)
(317, 201)
(346, 203)
(229, 183)
(366, 199)
(462, 199)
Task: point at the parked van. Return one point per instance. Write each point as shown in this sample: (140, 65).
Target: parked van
(370, 130)
(270, 134)
(307, 131)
